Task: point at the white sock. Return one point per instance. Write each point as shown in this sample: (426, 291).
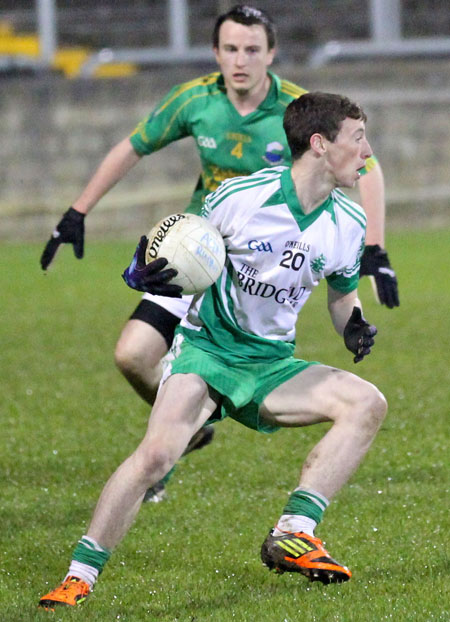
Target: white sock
(293, 523)
(84, 572)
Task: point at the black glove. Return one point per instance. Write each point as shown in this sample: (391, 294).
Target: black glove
(69, 230)
(375, 262)
(150, 277)
(358, 335)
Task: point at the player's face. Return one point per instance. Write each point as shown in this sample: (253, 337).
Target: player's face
(243, 56)
(348, 153)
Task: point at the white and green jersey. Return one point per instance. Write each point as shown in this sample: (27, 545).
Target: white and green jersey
(276, 255)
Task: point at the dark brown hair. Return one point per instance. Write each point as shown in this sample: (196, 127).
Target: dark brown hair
(248, 16)
(316, 112)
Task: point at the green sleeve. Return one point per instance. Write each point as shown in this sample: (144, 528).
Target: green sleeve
(346, 280)
(168, 122)
(343, 284)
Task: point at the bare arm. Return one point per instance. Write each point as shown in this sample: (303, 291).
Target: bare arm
(121, 159)
(371, 190)
(340, 307)
(375, 262)
(70, 229)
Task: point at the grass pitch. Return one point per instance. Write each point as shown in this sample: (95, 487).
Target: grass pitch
(68, 419)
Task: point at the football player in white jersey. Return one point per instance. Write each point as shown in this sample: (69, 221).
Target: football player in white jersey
(284, 230)
(235, 118)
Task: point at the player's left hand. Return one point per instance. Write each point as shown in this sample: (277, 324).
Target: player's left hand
(359, 335)
(151, 277)
(375, 262)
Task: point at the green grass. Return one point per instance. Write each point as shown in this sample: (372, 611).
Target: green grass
(68, 419)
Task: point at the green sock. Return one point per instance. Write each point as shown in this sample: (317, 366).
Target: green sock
(89, 552)
(306, 502)
(168, 475)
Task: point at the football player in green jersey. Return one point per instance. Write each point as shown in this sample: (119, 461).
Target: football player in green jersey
(236, 358)
(235, 117)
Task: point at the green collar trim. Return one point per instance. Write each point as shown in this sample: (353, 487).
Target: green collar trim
(303, 220)
(271, 98)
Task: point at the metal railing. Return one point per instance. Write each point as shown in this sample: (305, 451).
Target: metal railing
(386, 39)
(178, 51)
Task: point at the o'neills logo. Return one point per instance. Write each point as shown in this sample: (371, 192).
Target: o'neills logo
(160, 233)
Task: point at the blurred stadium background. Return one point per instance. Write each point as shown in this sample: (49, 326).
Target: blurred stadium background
(77, 76)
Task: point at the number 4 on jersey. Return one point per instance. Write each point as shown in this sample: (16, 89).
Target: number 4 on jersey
(237, 150)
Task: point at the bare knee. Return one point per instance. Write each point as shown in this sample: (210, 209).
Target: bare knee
(369, 405)
(380, 405)
(163, 446)
(374, 407)
(139, 351)
(359, 403)
(192, 387)
(129, 357)
(154, 462)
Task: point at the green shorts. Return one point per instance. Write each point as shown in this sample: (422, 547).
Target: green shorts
(244, 386)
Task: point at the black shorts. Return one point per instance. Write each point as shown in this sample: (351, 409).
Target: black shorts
(158, 317)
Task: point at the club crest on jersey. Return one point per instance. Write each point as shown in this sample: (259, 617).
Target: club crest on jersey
(262, 247)
(318, 264)
(274, 153)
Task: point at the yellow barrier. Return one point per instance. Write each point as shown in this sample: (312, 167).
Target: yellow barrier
(68, 60)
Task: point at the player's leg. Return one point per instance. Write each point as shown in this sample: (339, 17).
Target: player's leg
(172, 424)
(320, 393)
(356, 408)
(144, 341)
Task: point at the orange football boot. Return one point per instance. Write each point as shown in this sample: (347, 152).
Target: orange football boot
(72, 591)
(299, 552)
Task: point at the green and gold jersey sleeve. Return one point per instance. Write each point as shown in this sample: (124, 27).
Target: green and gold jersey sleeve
(370, 164)
(290, 91)
(173, 117)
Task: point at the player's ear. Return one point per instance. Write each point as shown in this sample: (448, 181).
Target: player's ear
(271, 55)
(317, 144)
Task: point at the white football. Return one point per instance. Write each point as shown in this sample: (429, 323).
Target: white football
(192, 246)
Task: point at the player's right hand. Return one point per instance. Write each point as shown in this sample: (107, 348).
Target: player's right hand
(151, 277)
(69, 230)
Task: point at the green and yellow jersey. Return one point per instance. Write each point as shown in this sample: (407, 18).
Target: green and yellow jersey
(229, 145)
